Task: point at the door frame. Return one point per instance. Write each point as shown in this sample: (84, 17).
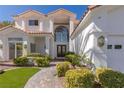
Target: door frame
(15, 52)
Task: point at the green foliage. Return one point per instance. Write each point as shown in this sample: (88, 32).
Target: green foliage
(69, 53)
(48, 57)
(21, 61)
(5, 23)
(62, 68)
(39, 55)
(79, 78)
(74, 59)
(86, 60)
(42, 61)
(109, 78)
(34, 55)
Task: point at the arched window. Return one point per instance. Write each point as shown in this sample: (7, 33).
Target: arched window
(61, 34)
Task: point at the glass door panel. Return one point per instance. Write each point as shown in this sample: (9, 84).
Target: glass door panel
(61, 50)
(11, 50)
(19, 48)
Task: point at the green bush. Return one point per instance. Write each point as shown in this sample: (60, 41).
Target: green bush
(69, 53)
(34, 55)
(74, 59)
(79, 78)
(21, 61)
(48, 57)
(42, 61)
(109, 78)
(62, 68)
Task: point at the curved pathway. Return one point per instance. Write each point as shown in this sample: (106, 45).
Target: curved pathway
(45, 78)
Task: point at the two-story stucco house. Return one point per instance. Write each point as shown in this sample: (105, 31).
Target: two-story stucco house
(100, 35)
(34, 32)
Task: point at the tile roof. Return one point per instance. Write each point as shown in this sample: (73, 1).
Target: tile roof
(90, 7)
(37, 32)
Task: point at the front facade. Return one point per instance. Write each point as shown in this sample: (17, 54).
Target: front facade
(100, 36)
(34, 32)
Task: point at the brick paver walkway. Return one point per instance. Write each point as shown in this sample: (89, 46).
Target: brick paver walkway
(46, 78)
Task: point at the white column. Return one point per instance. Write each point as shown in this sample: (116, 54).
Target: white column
(24, 25)
(25, 48)
(51, 26)
(47, 45)
(40, 25)
(71, 29)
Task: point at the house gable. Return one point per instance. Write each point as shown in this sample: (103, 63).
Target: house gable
(11, 29)
(29, 13)
(62, 12)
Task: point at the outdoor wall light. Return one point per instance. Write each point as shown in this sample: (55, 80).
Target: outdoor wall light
(101, 41)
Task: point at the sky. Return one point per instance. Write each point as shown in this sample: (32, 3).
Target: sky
(7, 11)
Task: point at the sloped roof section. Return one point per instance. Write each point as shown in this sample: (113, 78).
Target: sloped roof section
(61, 10)
(90, 8)
(29, 11)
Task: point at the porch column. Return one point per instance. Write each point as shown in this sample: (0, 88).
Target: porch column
(51, 25)
(47, 45)
(25, 48)
(71, 29)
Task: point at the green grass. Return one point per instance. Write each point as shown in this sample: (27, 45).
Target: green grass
(16, 78)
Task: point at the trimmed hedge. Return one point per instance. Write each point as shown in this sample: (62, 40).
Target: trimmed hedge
(69, 53)
(34, 55)
(42, 61)
(74, 59)
(21, 61)
(79, 78)
(109, 78)
(62, 68)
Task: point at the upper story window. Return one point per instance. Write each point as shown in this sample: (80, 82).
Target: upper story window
(61, 34)
(33, 23)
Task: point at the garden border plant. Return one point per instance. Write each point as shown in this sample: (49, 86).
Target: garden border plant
(32, 59)
(74, 59)
(21, 61)
(109, 78)
(79, 78)
(62, 68)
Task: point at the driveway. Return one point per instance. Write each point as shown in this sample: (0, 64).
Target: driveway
(45, 78)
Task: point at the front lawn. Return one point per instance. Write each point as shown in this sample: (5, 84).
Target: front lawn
(16, 78)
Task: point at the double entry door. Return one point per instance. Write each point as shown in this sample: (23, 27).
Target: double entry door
(61, 50)
(15, 49)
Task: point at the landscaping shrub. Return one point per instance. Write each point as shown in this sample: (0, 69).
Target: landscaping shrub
(69, 53)
(42, 61)
(21, 61)
(74, 59)
(1, 71)
(79, 78)
(62, 68)
(48, 57)
(109, 78)
(34, 55)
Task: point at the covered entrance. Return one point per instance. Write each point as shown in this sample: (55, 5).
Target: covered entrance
(15, 49)
(61, 50)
